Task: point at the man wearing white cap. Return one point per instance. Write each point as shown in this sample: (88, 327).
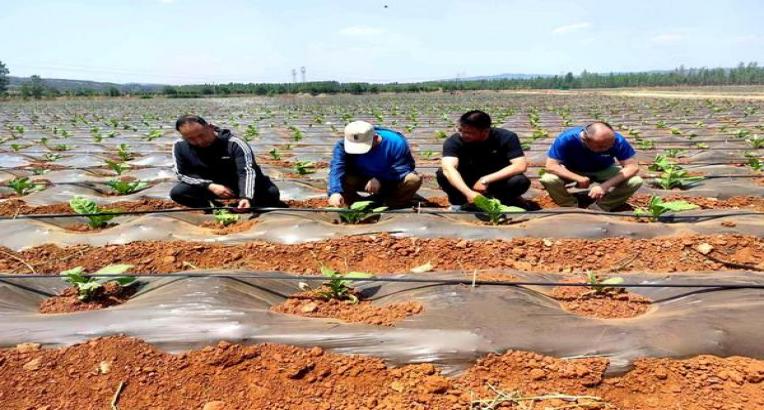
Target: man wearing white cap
(375, 160)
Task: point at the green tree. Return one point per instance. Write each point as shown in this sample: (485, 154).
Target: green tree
(4, 80)
(36, 87)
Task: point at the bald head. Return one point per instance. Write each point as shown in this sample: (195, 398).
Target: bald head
(598, 136)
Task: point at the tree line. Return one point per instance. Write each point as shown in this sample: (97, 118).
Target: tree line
(743, 74)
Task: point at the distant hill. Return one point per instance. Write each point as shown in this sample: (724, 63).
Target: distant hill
(73, 85)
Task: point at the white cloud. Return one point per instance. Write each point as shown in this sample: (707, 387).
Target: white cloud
(571, 27)
(361, 31)
(668, 38)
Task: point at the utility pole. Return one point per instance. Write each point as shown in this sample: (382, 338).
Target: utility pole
(302, 71)
(294, 75)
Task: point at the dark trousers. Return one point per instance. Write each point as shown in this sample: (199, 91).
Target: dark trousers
(508, 191)
(194, 196)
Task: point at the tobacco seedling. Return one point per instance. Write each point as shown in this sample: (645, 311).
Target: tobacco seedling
(754, 161)
(84, 206)
(304, 167)
(251, 132)
(359, 212)
(440, 134)
(152, 135)
(224, 217)
(126, 187)
(675, 177)
(337, 286)
(656, 208)
(661, 163)
(275, 154)
(87, 286)
(601, 286)
(427, 154)
(756, 141)
(495, 209)
(23, 186)
(673, 152)
(117, 167)
(123, 152)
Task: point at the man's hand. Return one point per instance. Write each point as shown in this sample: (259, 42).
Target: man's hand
(471, 196)
(221, 191)
(596, 193)
(373, 186)
(336, 200)
(243, 205)
(480, 186)
(584, 182)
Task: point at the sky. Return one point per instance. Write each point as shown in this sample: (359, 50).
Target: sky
(197, 41)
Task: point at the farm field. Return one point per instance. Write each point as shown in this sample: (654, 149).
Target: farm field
(417, 308)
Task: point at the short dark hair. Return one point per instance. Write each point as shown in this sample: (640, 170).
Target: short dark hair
(186, 119)
(476, 118)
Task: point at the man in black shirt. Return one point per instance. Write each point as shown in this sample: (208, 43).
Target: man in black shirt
(481, 160)
(212, 163)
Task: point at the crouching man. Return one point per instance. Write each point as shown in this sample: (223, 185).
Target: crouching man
(375, 160)
(585, 155)
(212, 164)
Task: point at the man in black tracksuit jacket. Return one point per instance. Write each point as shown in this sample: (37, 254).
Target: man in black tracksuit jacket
(212, 163)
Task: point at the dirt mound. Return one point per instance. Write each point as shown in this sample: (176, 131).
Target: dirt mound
(110, 294)
(229, 376)
(610, 303)
(219, 229)
(312, 304)
(14, 207)
(385, 254)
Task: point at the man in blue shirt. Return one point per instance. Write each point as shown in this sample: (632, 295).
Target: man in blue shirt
(587, 154)
(375, 160)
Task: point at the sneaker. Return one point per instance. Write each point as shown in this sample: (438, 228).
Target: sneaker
(455, 208)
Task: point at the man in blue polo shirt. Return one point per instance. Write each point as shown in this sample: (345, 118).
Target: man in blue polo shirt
(375, 160)
(585, 155)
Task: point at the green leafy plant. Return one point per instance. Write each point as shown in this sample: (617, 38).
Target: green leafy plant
(660, 124)
(427, 154)
(87, 286)
(656, 207)
(123, 152)
(360, 211)
(756, 141)
(754, 161)
(600, 286)
(51, 156)
(152, 135)
(84, 206)
(676, 177)
(337, 286)
(495, 209)
(225, 217)
(304, 167)
(646, 144)
(251, 132)
(117, 167)
(17, 147)
(23, 186)
(673, 152)
(661, 163)
(440, 134)
(126, 187)
(275, 154)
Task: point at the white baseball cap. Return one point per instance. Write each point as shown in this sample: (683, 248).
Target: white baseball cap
(359, 136)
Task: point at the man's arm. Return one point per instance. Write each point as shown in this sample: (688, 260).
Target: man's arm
(630, 169)
(449, 165)
(403, 163)
(516, 166)
(555, 167)
(245, 167)
(337, 169)
(183, 173)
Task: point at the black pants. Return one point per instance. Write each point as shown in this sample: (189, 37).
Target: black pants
(508, 191)
(193, 196)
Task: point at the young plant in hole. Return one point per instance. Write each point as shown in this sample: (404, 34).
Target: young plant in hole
(126, 187)
(656, 208)
(602, 286)
(427, 154)
(676, 177)
(87, 286)
(251, 132)
(672, 152)
(756, 141)
(123, 152)
(359, 212)
(304, 167)
(152, 135)
(754, 161)
(646, 144)
(440, 134)
(84, 206)
(661, 163)
(117, 167)
(225, 217)
(494, 209)
(275, 154)
(337, 286)
(23, 186)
